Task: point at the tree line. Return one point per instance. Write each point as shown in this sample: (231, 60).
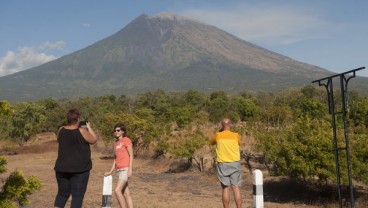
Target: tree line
(292, 128)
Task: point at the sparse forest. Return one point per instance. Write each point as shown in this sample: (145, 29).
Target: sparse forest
(291, 128)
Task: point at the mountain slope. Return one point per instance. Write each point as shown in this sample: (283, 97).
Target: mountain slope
(166, 51)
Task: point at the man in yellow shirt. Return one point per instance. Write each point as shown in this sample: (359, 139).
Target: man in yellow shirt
(228, 162)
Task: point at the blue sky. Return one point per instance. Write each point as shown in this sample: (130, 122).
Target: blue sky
(332, 34)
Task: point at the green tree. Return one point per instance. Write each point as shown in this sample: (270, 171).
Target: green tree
(303, 150)
(55, 118)
(183, 116)
(48, 103)
(185, 107)
(159, 102)
(27, 120)
(245, 108)
(195, 99)
(218, 106)
(305, 106)
(162, 147)
(145, 113)
(359, 112)
(16, 188)
(187, 145)
(139, 130)
(359, 156)
(277, 116)
(3, 162)
(6, 110)
(55, 113)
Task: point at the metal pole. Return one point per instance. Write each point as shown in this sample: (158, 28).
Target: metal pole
(329, 88)
(331, 105)
(344, 84)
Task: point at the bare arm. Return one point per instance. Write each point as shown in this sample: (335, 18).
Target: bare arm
(112, 169)
(57, 134)
(130, 151)
(88, 134)
(213, 140)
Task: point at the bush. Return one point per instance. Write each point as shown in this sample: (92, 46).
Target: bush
(3, 162)
(161, 148)
(301, 151)
(140, 131)
(187, 145)
(17, 188)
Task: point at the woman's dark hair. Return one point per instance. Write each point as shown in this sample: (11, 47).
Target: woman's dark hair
(122, 127)
(73, 116)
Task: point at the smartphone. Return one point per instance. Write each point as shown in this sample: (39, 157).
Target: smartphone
(83, 124)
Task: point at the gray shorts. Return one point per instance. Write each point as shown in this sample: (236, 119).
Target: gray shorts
(230, 173)
(122, 174)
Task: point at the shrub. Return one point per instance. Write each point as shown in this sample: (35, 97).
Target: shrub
(17, 188)
(3, 162)
(186, 146)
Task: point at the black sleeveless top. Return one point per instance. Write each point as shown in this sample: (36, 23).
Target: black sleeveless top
(74, 153)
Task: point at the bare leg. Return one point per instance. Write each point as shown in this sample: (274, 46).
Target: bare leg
(225, 196)
(119, 194)
(127, 196)
(237, 196)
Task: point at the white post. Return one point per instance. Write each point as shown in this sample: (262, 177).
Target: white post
(107, 192)
(258, 189)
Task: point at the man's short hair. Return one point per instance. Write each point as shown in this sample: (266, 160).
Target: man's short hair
(226, 122)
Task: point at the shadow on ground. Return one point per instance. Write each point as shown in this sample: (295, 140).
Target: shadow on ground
(286, 190)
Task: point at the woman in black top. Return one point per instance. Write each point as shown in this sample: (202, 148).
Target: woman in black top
(73, 163)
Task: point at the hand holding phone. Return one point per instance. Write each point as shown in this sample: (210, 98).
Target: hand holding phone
(83, 124)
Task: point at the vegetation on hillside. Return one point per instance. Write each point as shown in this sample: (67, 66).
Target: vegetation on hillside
(174, 54)
(292, 127)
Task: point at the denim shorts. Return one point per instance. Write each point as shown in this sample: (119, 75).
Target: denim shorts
(230, 173)
(122, 174)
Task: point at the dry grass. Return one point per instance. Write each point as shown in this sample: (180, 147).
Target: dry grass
(37, 148)
(152, 186)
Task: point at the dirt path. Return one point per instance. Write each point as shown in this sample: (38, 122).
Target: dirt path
(150, 186)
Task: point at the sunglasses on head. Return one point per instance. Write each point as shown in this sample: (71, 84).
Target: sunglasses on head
(117, 130)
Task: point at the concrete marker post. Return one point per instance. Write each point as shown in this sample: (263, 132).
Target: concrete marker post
(258, 189)
(107, 192)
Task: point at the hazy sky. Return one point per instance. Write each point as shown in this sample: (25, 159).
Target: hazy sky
(332, 34)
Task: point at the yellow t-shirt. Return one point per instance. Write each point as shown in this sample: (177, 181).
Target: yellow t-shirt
(227, 146)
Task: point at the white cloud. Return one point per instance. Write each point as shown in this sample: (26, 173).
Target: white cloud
(27, 57)
(266, 23)
(53, 45)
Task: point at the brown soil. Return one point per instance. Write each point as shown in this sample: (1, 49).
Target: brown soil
(152, 187)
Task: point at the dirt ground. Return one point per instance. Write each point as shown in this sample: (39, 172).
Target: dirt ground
(152, 187)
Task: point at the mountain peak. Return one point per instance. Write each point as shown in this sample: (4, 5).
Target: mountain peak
(165, 51)
(168, 16)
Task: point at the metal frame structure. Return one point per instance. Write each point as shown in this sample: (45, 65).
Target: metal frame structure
(331, 106)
